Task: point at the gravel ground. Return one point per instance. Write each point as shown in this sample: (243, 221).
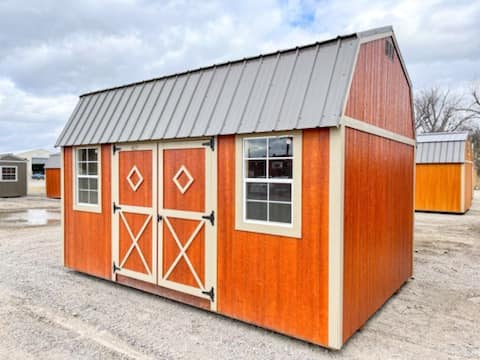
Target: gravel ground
(49, 312)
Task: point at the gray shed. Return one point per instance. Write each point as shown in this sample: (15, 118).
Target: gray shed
(13, 176)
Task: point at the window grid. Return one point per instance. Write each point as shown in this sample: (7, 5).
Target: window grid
(8, 173)
(267, 180)
(91, 189)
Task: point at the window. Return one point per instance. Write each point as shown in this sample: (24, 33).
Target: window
(270, 184)
(87, 178)
(8, 173)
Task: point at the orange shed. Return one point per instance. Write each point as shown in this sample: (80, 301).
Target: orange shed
(444, 172)
(275, 189)
(52, 176)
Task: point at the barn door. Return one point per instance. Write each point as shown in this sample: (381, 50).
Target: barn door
(134, 183)
(187, 205)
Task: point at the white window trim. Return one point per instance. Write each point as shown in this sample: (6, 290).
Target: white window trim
(291, 230)
(9, 166)
(81, 206)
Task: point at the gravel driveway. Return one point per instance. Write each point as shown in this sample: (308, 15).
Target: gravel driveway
(49, 312)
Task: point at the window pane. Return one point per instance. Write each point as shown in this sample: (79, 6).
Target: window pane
(83, 184)
(280, 168)
(256, 148)
(256, 210)
(82, 155)
(256, 191)
(256, 169)
(92, 168)
(82, 168)
(92, 184)
(280, 147)
(280, 192)
(93, 199)
(92, 154)
(83, 196)
(280, 213)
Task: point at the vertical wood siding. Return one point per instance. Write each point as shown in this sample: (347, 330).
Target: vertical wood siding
(379, 93)
(378, 229)
(468, 185)
(52, 183)
(87, 234)
(277, 282)
(438, 187)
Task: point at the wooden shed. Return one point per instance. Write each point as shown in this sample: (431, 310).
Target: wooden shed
(52, 176)
(275, 189)
(13, 176)
(444, 179)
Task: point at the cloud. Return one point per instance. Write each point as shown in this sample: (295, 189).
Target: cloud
(51, 51)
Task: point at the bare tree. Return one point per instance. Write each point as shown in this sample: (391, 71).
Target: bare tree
(439, 110)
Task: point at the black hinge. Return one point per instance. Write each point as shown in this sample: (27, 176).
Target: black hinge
(115, 148)
(115, 267)
(116, 207)
(159, 218)
(210, 143)
(210, 293)
(210, 217)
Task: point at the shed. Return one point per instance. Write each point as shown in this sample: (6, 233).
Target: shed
(444, 172)
(13, 176)
(52, 176)
(275, 189)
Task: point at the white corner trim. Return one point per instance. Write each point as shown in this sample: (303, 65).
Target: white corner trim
(62, 204)
(335, 236)
(375, 130)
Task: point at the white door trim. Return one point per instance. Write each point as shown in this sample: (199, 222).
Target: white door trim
(210, 230)
(151, 212)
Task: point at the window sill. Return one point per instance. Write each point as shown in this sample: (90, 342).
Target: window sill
(279, 230)
(88, 208)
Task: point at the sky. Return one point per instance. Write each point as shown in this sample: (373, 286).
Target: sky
(51, 51)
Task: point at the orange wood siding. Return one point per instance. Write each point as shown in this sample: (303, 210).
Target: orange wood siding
(379, 93)
(277, 282)
(438, 187)
(87, 234)
(52, 183)
(468, 186)
(378, 228)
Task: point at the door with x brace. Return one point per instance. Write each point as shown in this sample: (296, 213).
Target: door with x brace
(187, 204)
(134, 183)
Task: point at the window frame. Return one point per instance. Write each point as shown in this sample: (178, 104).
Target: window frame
(9, 166)
(77, 205)
(292, 229)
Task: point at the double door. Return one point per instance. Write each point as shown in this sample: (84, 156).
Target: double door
(164, 202)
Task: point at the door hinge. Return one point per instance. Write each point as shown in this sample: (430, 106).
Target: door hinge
(210, 143)
(210, 293)
(210, 217)
(115, 148)
(115, 268)
(159, 218)
(116, 207)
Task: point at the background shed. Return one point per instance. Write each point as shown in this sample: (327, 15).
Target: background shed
(52, 176)
(13, 176)
(444, 172)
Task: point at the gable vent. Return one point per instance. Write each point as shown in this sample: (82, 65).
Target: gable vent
(389, 49)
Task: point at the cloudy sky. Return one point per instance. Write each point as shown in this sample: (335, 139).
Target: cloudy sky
(52, 51)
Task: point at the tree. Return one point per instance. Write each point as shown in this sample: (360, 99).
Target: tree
(439, 110)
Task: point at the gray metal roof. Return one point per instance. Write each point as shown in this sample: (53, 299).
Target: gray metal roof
(53, 162)
(441, 147)
(299, 88)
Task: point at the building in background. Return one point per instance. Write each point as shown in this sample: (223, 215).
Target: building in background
(52, 176)
(35, 169)
(445, 177)
(13, 176)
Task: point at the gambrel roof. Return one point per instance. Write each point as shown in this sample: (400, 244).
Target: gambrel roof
(298, 88)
